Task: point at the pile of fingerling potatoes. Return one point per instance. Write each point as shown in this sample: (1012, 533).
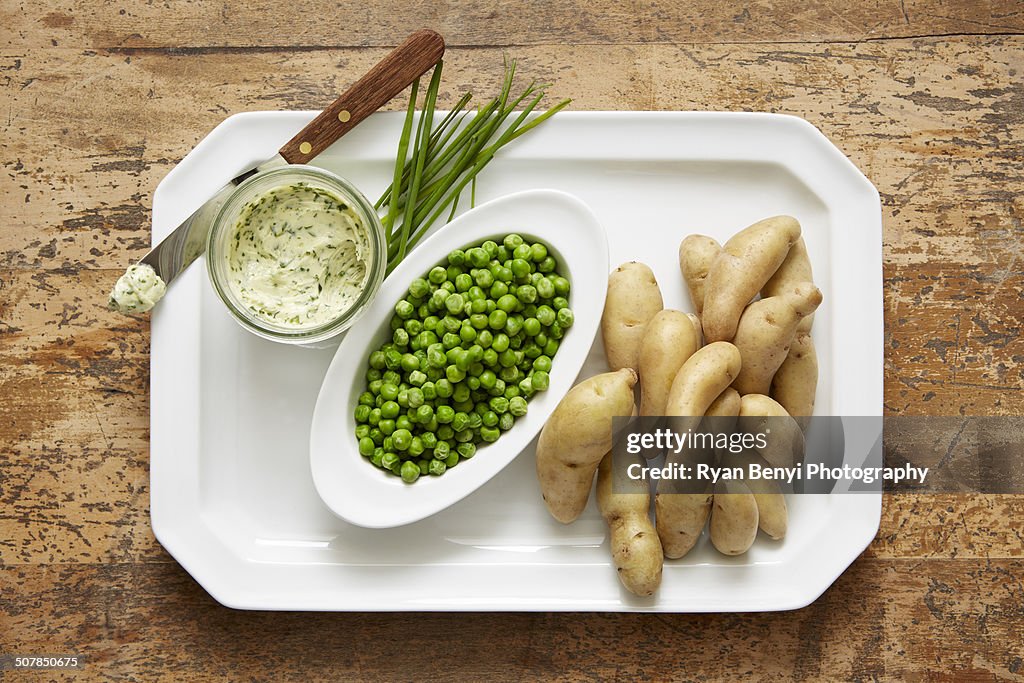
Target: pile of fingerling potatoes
(746, 355)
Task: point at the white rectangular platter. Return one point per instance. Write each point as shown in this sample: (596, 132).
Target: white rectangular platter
(232, 497)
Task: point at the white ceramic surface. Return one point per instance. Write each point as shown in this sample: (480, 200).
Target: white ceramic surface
(362, 494)
(232, 494)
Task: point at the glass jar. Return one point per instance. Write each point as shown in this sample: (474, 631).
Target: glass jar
(225, 227)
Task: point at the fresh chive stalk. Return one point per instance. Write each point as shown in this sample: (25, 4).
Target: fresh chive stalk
(430, 178)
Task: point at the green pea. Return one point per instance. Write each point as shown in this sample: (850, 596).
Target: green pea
(463, 282)
(366, 446)
(404, 309)
(547, 265)
(362, 430)
(500, 342)
(461, 393)
(522, 252)
(542, 364)
(430, 322)
(445, 414)
(487, 379)
(424, 414)
(484, 337)
(419, 288)
(566, 317)
(438, 298)
(478, 307)
(498, 389)
(527, 294)
(506, 422)
(436, 357)
(478, 257)
(443, 388)
(512, 240)
(545, 288)
(401, 439)
(466, 450)
(464, 436)
(377, 360)
(417, 378)
(491, 247)
(489, 419)
(510, 374)
(400, 337)
(453, 374)
(545, 315)
(514, 325)
(507, 358)
(429, 391)
(437, 275)
(467, 333)
(538, 252)
(526, 386)
(497, 319)
(410, 472)
(456, 257)
(413, 327)
(377, 435)
(556, 331)
(476, 352)
(490, 358)
(490, 434)
(561, 286)
(410, 362)
(475, 419)
(532, 350)
(362, 413)
(393, 358)
(540, 380)
(452, 460)
(378, 456)
(454, 304)
(437, 467)
(389, 410)
(424, 466)
(484, 278)
(416, 446)
(507, 303)
(450, 341)
(441, 449)
(374, 416)
(517, 406)
(389, 460)
(551, 348)
(521, 270)
(559, 302)
(460, 422)
(511, 391)
(403, 422)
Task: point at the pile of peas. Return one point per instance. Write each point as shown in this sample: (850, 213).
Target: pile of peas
(471, 343)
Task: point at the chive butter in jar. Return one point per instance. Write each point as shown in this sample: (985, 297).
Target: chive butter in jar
(296, 254)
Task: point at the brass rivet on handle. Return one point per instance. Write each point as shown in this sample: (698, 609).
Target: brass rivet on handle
(344, 115)
(305, 148)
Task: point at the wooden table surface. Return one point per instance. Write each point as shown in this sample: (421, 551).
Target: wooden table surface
(98, 101)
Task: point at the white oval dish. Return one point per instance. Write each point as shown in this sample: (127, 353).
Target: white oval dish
(364, 495)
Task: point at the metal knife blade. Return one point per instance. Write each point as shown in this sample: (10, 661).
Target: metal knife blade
(188, 241)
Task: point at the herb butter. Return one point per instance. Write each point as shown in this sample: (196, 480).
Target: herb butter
(298, 256)
(137, 290)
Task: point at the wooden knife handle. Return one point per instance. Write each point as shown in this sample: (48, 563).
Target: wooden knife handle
(393, 74)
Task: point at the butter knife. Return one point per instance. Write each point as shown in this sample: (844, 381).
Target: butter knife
(393, 74)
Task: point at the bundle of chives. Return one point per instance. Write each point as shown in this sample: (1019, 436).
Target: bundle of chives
(448, 157)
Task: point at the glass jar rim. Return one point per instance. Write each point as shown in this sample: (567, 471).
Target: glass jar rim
(226, 219)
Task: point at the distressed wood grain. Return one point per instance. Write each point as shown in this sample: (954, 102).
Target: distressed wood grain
(952, 620)
(215, 24)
